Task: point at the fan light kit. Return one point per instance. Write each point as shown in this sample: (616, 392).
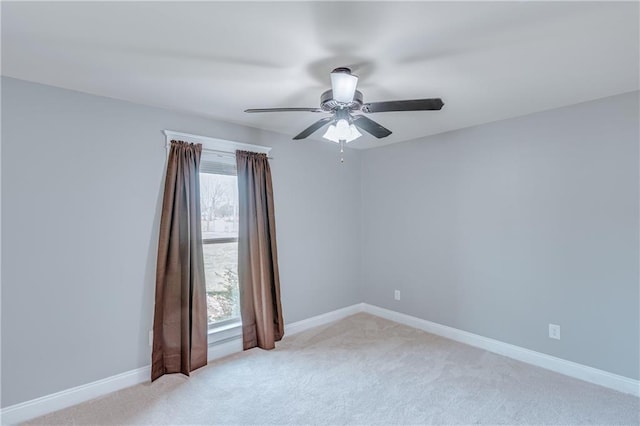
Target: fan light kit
(342, 131)
(342, 100)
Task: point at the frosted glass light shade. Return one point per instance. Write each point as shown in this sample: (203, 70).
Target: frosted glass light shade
(342, 130)
(353, 131)
(344, 86)
(331, 134)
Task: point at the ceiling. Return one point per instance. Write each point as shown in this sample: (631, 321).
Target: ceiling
(487, 61)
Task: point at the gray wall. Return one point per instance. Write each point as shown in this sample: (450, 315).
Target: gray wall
(81, 184)
(497, 230)
(504, 228)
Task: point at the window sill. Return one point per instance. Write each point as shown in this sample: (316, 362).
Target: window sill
(225, 332)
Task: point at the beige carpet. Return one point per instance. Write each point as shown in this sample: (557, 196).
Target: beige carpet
(361, 370)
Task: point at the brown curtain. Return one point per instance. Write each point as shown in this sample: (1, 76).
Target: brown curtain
(180, 316)
(258, 275)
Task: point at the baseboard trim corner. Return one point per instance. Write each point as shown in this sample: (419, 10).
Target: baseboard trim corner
(322, 319)
(549, 362)
(40, 406)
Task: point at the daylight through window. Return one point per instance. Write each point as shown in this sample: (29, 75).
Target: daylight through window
(219, 208)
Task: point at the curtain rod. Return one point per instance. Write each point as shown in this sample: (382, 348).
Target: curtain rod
(225, 153)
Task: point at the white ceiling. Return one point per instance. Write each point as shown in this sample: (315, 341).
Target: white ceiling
(487, 61)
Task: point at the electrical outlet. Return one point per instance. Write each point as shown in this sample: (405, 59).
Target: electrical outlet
(396, 295)
(554, 331)
(150, 337)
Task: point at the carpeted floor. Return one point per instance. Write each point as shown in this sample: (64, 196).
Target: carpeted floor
(361, 370)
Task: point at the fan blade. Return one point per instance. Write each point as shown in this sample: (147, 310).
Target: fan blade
(315, 126)
(434, 104)
(284, 110)
(370, 126)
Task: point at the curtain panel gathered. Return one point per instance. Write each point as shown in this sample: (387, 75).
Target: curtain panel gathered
(180, 314)
(258, 276)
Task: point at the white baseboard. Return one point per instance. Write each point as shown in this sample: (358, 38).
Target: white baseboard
(222, 349)
(329, 317)
(37, 407)
(57, 401)
(559, 365)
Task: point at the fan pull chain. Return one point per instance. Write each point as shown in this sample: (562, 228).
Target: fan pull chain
(342, 150)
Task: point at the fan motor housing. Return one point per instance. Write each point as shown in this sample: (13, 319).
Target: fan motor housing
(327, 102)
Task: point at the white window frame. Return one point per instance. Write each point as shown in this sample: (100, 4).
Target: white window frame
(216, 146)
(229, 329)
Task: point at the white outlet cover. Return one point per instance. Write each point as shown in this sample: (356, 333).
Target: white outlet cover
(396, 295)
(554, 331)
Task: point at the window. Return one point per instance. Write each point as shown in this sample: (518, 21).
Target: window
(219, 222)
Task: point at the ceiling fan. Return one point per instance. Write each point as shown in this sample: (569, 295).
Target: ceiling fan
(342, 101)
